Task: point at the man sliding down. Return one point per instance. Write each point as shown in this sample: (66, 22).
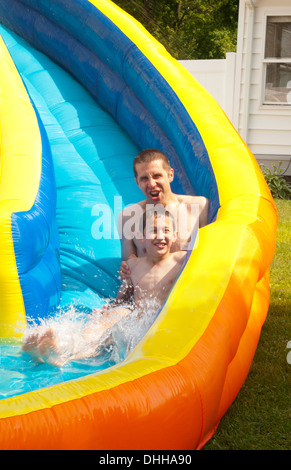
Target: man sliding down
(152, 275)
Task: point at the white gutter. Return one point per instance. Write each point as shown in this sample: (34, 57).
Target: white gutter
(248, 70)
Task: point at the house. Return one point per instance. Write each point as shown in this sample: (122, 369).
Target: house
(253, 85)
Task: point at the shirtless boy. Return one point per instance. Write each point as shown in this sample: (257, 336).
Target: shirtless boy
(152, 276)
(153, 175)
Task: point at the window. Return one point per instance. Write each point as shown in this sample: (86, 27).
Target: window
(277, 60)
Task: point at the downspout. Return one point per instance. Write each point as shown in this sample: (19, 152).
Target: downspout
(248, 71)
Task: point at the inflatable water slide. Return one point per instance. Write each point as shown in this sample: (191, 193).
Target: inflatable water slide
(83, 88)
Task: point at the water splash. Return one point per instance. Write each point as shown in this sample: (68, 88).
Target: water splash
(20, 373)
(79, 337)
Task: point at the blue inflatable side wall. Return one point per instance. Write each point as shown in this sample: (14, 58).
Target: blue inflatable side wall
(36, 244)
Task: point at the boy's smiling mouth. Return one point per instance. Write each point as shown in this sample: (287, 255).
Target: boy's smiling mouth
(160, 244)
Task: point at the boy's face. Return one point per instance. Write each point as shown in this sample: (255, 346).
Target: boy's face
(159, 236)
(154, 181)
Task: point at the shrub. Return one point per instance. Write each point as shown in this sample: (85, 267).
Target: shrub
(278, 185)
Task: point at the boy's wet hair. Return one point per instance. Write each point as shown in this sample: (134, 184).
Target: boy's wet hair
(150, 155)
(156, 212)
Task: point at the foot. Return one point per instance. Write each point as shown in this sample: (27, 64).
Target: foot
(48, 348)
(30, 343)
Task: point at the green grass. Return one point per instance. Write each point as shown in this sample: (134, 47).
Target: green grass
(260, 417)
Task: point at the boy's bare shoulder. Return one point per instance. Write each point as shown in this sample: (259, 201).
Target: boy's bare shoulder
(186, 199)
(129, 211)
(203, 204)
(179, 256)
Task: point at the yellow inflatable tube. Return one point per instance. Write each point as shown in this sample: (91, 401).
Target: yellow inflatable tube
(19, 180)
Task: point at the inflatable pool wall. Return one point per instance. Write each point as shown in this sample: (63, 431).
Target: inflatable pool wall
(30, 274)
(174, 387)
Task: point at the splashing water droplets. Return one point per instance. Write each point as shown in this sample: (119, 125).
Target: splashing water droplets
(71, 335)
(20, 373)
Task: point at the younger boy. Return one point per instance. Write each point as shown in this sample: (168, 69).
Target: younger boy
(153, 275)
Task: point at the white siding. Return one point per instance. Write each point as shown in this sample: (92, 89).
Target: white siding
(266, 128)
(237, 84)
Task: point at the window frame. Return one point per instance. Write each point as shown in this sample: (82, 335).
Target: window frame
(272, 60)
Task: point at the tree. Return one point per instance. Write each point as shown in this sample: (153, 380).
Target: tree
(189, 29)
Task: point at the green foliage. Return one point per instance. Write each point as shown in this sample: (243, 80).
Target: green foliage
(189, 29)
(279, 187)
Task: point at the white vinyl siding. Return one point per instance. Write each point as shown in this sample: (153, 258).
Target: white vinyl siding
(267, 129)
(238, 82)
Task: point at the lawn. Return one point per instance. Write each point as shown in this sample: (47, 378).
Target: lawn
(260, 417)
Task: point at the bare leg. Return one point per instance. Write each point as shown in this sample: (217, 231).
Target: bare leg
(98, 334)
(42, 343)
(108, 318)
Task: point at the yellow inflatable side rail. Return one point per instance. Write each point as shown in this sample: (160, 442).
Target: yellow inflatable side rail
(19, 181)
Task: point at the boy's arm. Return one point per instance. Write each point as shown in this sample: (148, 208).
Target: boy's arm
(125, 291)
(203, 212)
(128, 248)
